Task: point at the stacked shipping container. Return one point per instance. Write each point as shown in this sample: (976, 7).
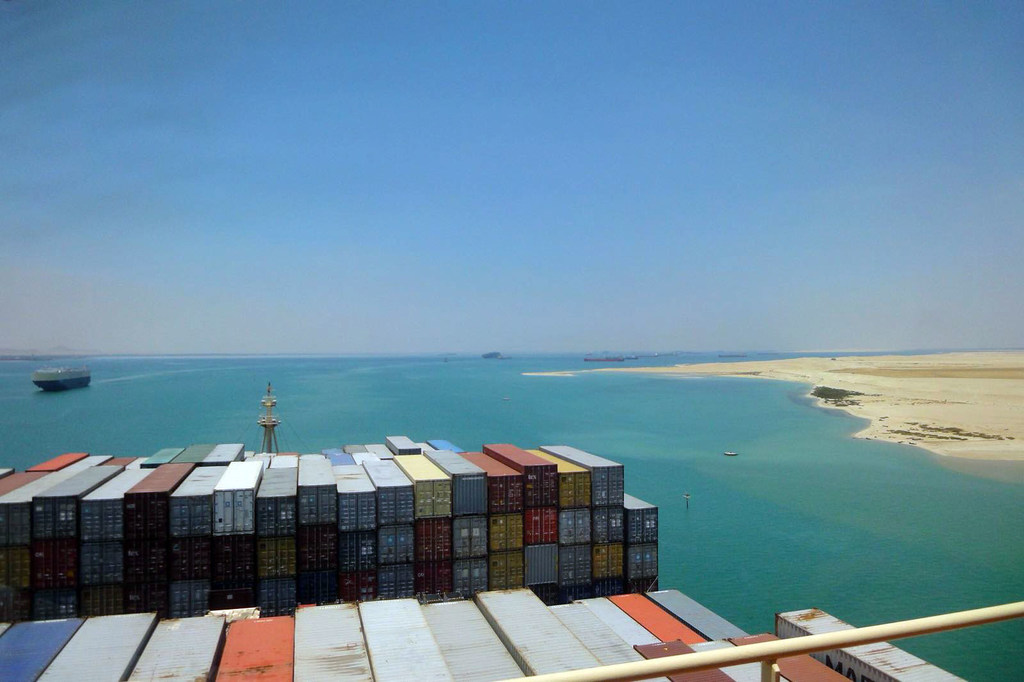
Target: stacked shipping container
(316, 542)
(504, 521)
(357, 533)
(432, 513)
(190, 548)
(395, 529)
(276, 516)
(469, 521)
(233, 546)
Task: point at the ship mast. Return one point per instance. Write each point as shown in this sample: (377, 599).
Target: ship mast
(268, 422)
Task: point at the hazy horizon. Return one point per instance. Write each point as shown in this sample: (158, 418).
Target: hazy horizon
(335, 178)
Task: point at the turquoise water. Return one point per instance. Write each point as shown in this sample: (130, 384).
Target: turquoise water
(805, 516)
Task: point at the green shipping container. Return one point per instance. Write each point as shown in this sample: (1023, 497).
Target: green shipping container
(505, 532)
(607, 560)
(275, 557)
(505, 570)
(15, 567)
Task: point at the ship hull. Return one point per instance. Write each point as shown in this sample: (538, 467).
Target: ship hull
(61, 384)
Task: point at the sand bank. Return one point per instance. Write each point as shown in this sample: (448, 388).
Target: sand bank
(967, 405)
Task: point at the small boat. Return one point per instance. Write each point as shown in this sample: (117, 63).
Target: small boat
(729, 453)
(61, 378)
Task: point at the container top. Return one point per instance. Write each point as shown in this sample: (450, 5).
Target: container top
(581, 457)
(339, 458)
(360, 457)
(515, 457)
(195, 453)
(470, 646)
(26, 492)
(201, 481)
(263, 647)
(418, 468)
(490, 465)
(18, 479)
(181, 649)
(327, 452)
(103, 647)
(329, 644)
(315, 470)
(635, 503)
(6, 471)
(120, 461)
(164, 479)
(697, 616)
(162, 457)
(452, 464)
(352, 479)
(240, 476)
(399, 641)
(385, 474)
(660, 622)
(284, 462)
(602, 641)
(28, 647)
(401, 445)
(661, 650)
(440, 444)
(564, 466)
(628, 629)
(279, 483)
(225, 453)
(380, 450)
(425, 447)
(82, 483)
(59, 462)
(795, 668)
(353, 449)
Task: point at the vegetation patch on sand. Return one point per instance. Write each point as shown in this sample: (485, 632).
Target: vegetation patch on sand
(840, 397)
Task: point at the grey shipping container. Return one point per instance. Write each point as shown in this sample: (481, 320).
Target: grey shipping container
(360, 458)
(194, 454)
(606, 524)
(641, 561)
(276, 503)
(469, 537)
(470, 647)
(600, 639)
(224, 454)
(469, 576)
(234, 499)
(399, 642)
(395, 581)
(27, 648)
(55, 510)
(395, 503)
(574, 526)
(618, 620)
(379, 450)
(284, 462)
(354, 449)
(534, 636)
(182, 649)
(329, 645)
(16, 506)
(469, 482)
(640, 520)
(357, 551)
(395, 544)
(191, 506)
(318, 493)
(54, 603)
(104, 648)
(541, 564)
(574, 565)
(402, 445)
(606, 476)
(697, 616)
(101, 563)
(161, 457)
(276, 597)
(102, 510)
(357, 499)
(189, 598)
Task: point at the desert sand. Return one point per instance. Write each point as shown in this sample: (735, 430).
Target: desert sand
(967, 405)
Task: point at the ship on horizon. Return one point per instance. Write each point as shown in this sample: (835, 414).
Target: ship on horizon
(61, 378)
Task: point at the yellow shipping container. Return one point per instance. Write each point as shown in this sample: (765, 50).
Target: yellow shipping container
(607, 560)
(15, 567)
(505, 571)
(573, 482)
(505, 532)
(276, 557)
(432, 487)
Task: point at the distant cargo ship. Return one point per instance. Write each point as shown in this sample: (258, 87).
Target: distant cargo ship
(495, 355)
(61, 378)
(610, 358)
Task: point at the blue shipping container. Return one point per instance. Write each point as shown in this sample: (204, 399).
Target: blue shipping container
(444, 445)
(338, 458)
(26, 649)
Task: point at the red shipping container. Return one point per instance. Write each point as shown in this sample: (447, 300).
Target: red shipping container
(357, 585)
(145, 561)
(433, 539)
(233, 558)
(59, 462)
(795, 668)
(540, 525)
(147, 505)
(504, 484)
(316, 547)
(18, 479)
(432, 577)
(146, 598)
(540, 477)
(259, 649)
(191, 558)
(119, 462)
(677, 648)
(54, 563)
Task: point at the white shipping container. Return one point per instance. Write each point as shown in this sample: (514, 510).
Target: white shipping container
(401, 445)
(470, 647)
(536, 638)
(183, 650)
(329, 644)
(104, 648)
(360, 457)
(380, 450)
(224, 454)
(234, 499)
(600, 639)
(624, 626)
(400, 643)
(284, 462)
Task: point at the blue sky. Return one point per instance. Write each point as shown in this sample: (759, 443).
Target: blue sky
(396, 177)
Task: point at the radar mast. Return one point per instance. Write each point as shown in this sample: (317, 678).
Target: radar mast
(268, 422)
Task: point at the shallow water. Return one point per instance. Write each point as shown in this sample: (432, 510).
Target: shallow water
(804, 516)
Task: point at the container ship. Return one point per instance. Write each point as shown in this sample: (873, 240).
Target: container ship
(61, 378)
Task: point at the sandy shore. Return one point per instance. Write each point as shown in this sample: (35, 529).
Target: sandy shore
(967, 405)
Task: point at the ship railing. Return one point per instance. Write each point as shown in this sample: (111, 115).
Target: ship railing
(768, 653)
